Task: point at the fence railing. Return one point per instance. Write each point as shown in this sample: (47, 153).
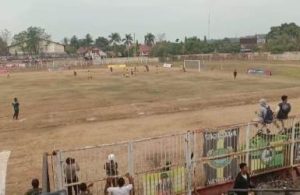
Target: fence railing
(265, 191)
(183, 162)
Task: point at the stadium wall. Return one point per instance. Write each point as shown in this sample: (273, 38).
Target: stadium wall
(293, 56)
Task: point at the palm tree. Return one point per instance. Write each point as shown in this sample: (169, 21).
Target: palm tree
(128, 41)
(114, 40)
(149, 39)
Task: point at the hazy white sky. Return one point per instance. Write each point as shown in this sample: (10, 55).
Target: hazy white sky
(176, 18)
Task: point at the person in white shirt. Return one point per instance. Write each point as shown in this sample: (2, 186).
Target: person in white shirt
(122, 189)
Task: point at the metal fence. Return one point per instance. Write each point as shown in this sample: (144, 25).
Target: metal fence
(181, 163)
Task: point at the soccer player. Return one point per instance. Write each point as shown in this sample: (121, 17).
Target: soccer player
(16, 106)
(234, 74)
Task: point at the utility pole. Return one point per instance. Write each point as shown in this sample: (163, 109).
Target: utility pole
(134, 45)
(208, 35)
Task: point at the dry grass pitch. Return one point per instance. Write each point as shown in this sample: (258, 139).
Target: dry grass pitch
(59, 110)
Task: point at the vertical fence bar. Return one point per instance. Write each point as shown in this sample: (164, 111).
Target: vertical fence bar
(189, 162)
(247, 143)
(59, 171)
(292, 144)
(130, 159)
(45, 174)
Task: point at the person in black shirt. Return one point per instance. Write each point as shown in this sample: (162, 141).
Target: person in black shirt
(283, 110)
(16, 105)
(242, 180)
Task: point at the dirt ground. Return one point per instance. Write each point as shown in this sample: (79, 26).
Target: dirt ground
(60, 111)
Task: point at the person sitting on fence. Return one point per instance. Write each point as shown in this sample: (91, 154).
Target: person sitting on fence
(243, 180)
(35, 188)
(71, 176)
(111, 168)
(122, 189)
(283, 110)
(264, 115)
(84, 189)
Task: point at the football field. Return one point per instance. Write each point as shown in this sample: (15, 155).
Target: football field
(61, 111)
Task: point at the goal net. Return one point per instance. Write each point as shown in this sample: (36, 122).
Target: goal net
(192, 65)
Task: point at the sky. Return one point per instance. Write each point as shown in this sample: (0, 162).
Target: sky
(175, 18)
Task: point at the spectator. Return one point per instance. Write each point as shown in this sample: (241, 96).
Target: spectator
(243, 180)
(165, 185)
(265, 115)
(16, 106)
(122, 189)
(283, 110)
(35, 188)
(71, 177)
(85, 189)
(111, 168)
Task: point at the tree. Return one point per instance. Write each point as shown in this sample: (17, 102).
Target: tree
(29, 40)
(193, 45)
(66, 41)
(149, 39)
(6, 36)
(102, 43)
(3, 47)
(34, 36)
(128, 42)
(74, 42)
(88, 40)
(114, 40)
(225, 46)
(284, 38)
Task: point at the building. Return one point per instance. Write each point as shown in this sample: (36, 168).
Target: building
(251, 43)
(91, 52)
(144, 50)
(45, 47)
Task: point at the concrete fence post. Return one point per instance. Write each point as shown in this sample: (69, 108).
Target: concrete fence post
(59, 171)
(189, 167)
(130, 159)
(248, 129)
(292, 144)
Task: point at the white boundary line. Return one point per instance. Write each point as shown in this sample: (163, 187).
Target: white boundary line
(4, 156)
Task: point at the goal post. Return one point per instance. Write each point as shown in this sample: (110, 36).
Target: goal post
(192, 64)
